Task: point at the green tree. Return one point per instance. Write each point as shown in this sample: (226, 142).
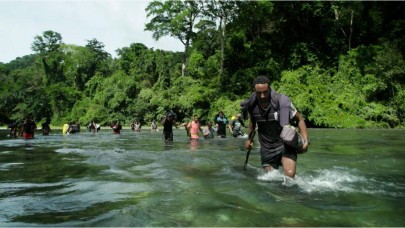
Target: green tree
(48, 46)
(174, 18)
(100, 58)
(82, 63)
(340, 62)
(221, 13)
(23, 94)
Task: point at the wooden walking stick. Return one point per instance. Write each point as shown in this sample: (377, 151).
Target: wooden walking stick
(251, 136)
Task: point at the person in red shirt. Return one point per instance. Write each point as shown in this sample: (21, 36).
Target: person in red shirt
(29, 128)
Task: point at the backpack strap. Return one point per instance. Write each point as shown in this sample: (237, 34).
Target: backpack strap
(252, 103)
(275, 100)
(249, 105)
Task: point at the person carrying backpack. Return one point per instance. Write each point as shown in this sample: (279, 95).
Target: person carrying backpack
(235, 127)
(270, 112)
(168, 121)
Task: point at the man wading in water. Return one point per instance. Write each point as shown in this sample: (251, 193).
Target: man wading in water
(168, 121)
(271, 111)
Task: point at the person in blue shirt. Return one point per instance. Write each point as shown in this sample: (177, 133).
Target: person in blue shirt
(221, 123)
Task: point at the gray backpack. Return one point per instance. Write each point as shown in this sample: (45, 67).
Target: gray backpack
(292, 137)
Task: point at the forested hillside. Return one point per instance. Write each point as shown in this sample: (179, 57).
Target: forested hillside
(340, 62)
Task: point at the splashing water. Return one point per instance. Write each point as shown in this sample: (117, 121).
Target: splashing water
(337, 179)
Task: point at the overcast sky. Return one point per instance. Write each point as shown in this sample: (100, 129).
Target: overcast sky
(116, 24)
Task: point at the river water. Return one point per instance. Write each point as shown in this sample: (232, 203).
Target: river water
(348, 178)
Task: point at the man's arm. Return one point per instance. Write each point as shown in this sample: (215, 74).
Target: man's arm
(242, 123)
(303, 130)
(163, 120)
(230, 126)
(175, 124)
(251, 128)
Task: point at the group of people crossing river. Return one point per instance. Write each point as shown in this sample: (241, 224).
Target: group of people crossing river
(27, 128)
(168, 121)
(194, 127)
(271, 112)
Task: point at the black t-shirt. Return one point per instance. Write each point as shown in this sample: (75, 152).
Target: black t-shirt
(29, 127)
(168, 125)
(222, 122)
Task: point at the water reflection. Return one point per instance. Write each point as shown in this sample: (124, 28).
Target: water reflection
(194, 144)
(139, 180)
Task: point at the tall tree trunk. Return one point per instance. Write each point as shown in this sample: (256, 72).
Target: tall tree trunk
(351, 30)
(222, 28)
(184, 63)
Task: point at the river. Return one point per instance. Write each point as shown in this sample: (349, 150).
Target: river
(347, 178)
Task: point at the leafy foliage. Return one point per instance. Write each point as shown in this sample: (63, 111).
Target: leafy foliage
(341, 63)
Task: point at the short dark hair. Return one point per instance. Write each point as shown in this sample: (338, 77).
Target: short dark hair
(261, 80)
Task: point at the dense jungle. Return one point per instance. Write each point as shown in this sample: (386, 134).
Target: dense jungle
(340, 62)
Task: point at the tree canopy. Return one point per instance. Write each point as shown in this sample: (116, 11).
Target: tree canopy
(340, 62)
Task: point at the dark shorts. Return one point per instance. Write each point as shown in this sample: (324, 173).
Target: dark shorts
(168, 136)
(273, 159)
(221, 133)
(237, 133)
